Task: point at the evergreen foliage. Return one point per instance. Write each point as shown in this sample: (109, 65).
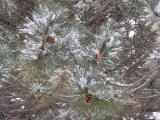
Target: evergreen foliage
(79, 59)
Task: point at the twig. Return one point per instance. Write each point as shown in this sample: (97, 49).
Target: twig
(149, 97)
(19, 15)
(150, 79)
(148, 6)
(143, 78)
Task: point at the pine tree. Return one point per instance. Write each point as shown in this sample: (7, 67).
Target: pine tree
(79, 59)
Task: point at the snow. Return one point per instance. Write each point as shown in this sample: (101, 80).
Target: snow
(37, 87)
(19, 99)
(83, 82)
(31, 51)
(77, 18)
(157, 8)
(113, 40)
(113, 54)
(131, 34)
(16, 99)
(53, 17)
(80, 4)
(125, 0)
(156, 115)
(155, 55)
(152, 60)
(22, 107)
(55, 77)
(39, 23)
(123, 118)
(132, 22)
(69, 114)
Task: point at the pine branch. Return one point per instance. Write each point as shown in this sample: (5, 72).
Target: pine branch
(145, 77)
(148, 79)
(100, 16)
